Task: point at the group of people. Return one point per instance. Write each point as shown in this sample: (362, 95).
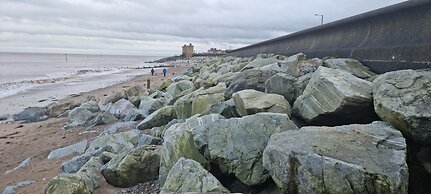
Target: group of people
(164, 71)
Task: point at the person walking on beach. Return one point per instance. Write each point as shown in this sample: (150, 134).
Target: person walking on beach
(152, 71)
(164, 72)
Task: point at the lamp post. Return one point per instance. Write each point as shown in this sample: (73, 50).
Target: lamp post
(321, 16)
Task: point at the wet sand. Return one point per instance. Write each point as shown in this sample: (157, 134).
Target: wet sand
(20, 141)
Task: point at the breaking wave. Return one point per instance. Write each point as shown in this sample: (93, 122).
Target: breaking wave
(12, 88)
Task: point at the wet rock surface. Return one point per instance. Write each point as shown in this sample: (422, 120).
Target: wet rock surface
(32, 114)
(236, 145)
(403, 99)
(130, 168)
(190, 176)
(337, 160)
(77, 148)
(335, 97)
(248, 102)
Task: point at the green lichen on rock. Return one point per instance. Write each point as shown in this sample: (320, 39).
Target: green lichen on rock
(158, 118)
(178, 142)
(248, 102)
(83, 182)
(356, 158)
(135, 166)
(190, 176)
(335, 97)
(236, 145)
(199, 101)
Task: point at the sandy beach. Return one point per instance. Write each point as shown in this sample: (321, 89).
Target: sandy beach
(19, 141)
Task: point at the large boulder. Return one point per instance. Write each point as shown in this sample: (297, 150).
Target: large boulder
(149, 140)
(226, 109)
(190, 176)
(403, 99)
(135, 100)
(77, 148)
(346, 159)
(199, 101)
(204, 72)
(101, 118)
(133, 114)
(73, 165)
(153, 93)
(113, 128)
(260, 62)
(77, 117)
(227, 78)
(225, 68)
(158, 118)
(334, 97)
(58, 109)
(116, 143)
(135, 166)
(83, 182)
(236, 144)
(248, 102)
(165, 84)
(300, 68)
(180, 88)
(240, 63)
(249, 79)
(136, 91)
(200, 83)
(148, 104)
(114, 98)
(351, 66)
(32, 114)
(288, 86)
(91, 105)
(274, 67)
(178, 142)
(295, 58)
(121, 108)
(180, 77)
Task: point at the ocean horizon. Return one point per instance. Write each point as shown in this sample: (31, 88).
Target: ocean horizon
(32, 77)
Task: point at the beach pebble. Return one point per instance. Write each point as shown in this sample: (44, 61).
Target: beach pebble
(13, 188)
(23, 164)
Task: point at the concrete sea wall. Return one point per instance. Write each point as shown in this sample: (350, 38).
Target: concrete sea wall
(387, 39)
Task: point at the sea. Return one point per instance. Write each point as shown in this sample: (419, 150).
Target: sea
(34, 79)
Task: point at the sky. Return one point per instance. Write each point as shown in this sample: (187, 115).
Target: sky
(160, 27)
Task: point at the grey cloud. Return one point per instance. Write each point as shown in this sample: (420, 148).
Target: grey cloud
(160, 26)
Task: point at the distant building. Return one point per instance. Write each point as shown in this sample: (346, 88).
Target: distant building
(216, 51)
(188, 51)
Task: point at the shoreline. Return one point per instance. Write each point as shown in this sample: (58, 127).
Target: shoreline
(43, 95)
(118, 87)
(20, 141)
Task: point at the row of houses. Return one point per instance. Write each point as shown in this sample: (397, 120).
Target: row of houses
(188, 51)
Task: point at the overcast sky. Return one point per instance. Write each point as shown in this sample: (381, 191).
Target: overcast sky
(160, 27)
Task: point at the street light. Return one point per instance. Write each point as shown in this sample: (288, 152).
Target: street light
(321, 15)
